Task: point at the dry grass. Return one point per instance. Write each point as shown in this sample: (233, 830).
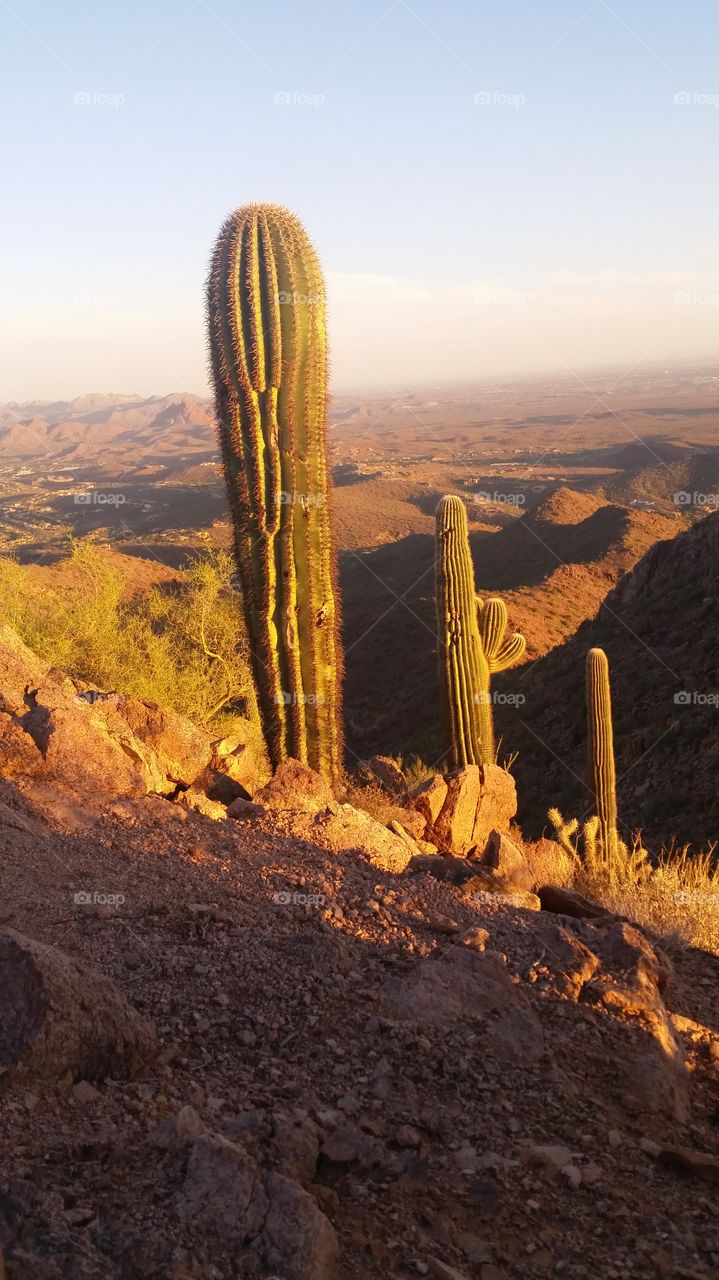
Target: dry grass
(371, 798)
(675, 895)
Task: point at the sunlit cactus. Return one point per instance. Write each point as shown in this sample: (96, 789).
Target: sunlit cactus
(268, 346)
(602, 770)
(463, 669)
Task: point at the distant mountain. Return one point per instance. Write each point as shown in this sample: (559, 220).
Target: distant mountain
(659, 629)
(127, 428)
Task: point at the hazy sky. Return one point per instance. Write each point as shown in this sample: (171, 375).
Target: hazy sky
(494, 186)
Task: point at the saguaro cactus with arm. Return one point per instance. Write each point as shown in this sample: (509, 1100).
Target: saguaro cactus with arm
(268, 346)
(463, 671)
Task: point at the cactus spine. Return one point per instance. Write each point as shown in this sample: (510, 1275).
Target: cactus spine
(602, 771)
(268, 347)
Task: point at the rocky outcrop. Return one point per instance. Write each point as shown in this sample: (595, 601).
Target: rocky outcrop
(463, 808)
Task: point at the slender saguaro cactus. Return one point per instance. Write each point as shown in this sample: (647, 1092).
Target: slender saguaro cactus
(268, 346)
(463, 670)
(601, 750)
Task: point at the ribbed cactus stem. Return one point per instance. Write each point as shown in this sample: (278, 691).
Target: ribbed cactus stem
(602, 770)
(268, 345)
(463, 670)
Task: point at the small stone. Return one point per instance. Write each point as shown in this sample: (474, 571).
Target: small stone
(573, 1176)
(477, 939)
(350, 1104)
(84, 1092)
(406, 1136)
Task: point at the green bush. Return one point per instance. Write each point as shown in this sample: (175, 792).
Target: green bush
(180, 644)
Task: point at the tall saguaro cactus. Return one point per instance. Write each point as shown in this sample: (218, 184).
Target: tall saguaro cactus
(268, 345)
(602, 770)
(463, 669)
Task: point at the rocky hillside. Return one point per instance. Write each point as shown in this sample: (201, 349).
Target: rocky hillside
(658, 628)
(268, 1037)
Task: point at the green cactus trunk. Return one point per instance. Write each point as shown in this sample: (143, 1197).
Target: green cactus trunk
(465, 703)
(602, 770)
(268, 345)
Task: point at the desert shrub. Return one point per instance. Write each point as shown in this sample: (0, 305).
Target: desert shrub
(675, 894)
(180, 644)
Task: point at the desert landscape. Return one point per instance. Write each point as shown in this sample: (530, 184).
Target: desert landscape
(359, 675)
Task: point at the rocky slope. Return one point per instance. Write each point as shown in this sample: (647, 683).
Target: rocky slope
(268, 1039)
(658, 628)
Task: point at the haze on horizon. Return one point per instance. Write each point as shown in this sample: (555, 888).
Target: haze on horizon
(492, 192)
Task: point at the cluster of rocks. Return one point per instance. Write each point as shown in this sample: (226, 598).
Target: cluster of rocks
(60, 739)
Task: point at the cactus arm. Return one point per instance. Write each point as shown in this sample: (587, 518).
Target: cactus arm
(509, 654)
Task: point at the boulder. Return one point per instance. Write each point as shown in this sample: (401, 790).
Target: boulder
(385, 771)
(295, 1144)
(428, 798)
(234, 757)
(454, 828)
(502, 855)
(572, 963)
(245, 809)
(19, 754)
(21, 671)
(346, 829)
(569, 902)
(196, 800)
(58, 1017)
(496, 804)
(181, 749)
(650, 1065)
(79, 752)
(299, 1241)
(296, 787)
(463, 984)
(222, 1192)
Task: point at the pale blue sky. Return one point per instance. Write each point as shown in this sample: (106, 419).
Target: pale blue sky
(565, 218)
